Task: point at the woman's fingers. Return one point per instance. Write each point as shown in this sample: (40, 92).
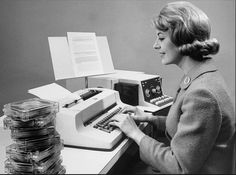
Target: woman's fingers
(129, 109)
(115, 120)
(114, 123)
(118, 119)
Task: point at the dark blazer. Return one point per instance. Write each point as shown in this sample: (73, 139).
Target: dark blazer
(201, 126)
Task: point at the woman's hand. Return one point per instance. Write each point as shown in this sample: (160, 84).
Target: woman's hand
(138, 114)
(127, 124)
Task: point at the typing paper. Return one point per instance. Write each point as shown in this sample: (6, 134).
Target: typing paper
(60, 53)
(80, 54)
(85, 53)
(53, 92)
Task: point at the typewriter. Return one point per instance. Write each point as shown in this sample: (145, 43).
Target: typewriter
(83, 123)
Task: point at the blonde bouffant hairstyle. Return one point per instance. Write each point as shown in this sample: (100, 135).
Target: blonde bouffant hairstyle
(189, 29)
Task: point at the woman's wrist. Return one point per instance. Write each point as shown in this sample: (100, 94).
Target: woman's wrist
(150, 117)
(137, 136)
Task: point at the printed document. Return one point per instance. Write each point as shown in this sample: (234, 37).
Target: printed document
(84, 53)
(80, 54)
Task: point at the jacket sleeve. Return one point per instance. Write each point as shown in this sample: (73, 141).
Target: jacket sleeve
(196, 133)
(160, 122)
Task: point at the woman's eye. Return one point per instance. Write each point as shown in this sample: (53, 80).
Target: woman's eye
(161, 39)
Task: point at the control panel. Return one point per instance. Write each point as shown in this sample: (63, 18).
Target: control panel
(152, 92)
(151, 88)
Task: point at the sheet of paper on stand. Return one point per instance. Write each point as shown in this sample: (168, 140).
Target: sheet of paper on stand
(80, 54)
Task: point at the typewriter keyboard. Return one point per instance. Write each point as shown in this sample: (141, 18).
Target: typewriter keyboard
(103, 124)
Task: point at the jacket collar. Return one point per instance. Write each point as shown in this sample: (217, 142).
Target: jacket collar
(202, 68)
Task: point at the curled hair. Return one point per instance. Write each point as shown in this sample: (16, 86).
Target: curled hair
(199, 49)
(189, 29)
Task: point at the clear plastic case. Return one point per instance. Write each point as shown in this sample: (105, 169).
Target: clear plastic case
(29, 133)
(56, 168)
(39, 167)
(30, 109)
(37, 144)
(13, 152)
(42, 121)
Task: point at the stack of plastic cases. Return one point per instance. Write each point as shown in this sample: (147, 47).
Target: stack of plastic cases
(36, 147)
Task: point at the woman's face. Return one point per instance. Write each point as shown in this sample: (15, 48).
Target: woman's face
(169, 53)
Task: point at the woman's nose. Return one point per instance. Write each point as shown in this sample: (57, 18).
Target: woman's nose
(156, 45)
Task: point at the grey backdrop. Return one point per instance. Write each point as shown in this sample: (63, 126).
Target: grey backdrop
(26, 24)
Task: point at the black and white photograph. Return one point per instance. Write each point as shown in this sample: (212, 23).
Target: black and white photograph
(117, 87)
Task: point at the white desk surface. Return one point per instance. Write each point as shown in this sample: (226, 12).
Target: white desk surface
(82, 161)
(5, 140)
(76, 161)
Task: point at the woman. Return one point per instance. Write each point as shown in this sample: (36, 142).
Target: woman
(201, 121)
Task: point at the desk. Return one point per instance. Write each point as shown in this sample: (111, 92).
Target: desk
(77, 161)
(82, 161)
(5, 141)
